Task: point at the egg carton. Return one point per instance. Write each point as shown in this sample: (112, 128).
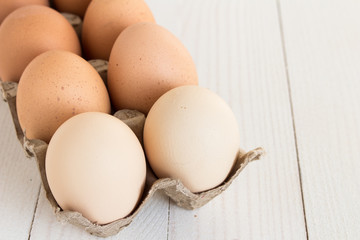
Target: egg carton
(173, 188)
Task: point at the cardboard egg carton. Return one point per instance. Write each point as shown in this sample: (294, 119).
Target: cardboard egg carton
(173, 188)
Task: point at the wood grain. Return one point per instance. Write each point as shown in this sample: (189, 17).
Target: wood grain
(323, 55)
(237, 49)
(19, 182)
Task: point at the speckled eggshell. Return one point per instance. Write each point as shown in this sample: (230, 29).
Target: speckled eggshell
(191, 134)
(55, 86)
(77, 7)
(95, 165)
(30, 31)
(147, 61)
(105, 19)
(8, 6)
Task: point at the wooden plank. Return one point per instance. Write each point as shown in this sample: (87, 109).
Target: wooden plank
(323, 54)
(236, 45)
(19, 182)
(150, 223)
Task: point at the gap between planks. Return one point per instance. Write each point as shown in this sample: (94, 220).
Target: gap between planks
(168, 218)
(35, 209)
(278, 7)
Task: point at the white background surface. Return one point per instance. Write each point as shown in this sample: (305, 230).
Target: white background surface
(290, 70)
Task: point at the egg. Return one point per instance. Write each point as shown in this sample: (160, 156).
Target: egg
(191, 134)
(105, 19)
(95, 165)
(77, 7)
(6, 6)
(30, 31)
(147, 61)
(55, 86)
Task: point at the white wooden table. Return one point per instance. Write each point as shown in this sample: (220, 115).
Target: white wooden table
(290, 70)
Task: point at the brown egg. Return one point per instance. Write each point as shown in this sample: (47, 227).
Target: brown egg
(7, 7)
(147, 61)
(105, 19)
(77, 7)
(55, 86)
(30, 31)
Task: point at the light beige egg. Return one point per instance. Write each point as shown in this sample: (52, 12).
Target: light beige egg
(191, 134)
(8, 6)
(77, 7)
(55, 86)
(105, 19)
(147, 61)
(95, 165)
(30, 31)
